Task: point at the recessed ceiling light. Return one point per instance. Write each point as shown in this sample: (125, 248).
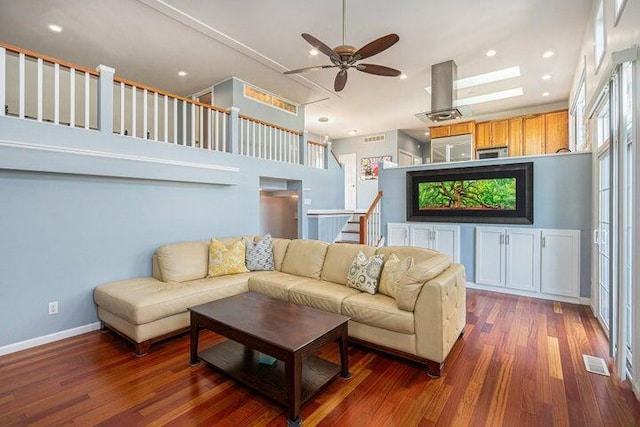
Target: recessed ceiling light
(55, 28)
(426, 132)
(313, 52)
(494, 96)
(546, 77)
(548, 54)
(403, 76)
(182, 73)
(490, 53)
(480, 79)
(323, 119)
(352, 132)
(545, 94)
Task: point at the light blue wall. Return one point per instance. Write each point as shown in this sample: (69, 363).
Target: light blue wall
(562, 200)
(326, 228)
(410, 144)
(63, 234)
(255, 109)
(367, 189)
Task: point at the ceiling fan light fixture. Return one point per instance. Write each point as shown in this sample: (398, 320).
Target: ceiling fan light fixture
(352, 132)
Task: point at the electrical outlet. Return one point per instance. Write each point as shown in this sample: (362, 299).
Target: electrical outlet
(53, 307)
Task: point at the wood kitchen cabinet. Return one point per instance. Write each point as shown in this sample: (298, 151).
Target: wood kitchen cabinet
(492, 134)
(483, 135)
(515, 136)
(533, 135)
(557, 131)
(452, 130)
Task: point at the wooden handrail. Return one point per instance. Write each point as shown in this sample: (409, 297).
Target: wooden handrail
(50, 59)
(321, 144)
(171, 95)
(251, 119)
(365, 218)
(336, 157)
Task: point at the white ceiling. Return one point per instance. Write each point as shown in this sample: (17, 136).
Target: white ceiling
(256, 40)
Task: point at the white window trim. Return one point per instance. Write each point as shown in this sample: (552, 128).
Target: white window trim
(618, 10)
(599, 59)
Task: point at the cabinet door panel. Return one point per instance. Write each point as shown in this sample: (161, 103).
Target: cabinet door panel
(483, 135)
(515, 136)
(499, 133)
(397, 234)
(533, 143)
(557, 131)
(560, 262)
(421, 236)
(461, 128)
(447, 240)
(440, 131)
(523, 259)
(490, 256)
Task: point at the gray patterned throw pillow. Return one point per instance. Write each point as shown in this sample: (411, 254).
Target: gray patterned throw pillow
(259, 255)
(364, 272)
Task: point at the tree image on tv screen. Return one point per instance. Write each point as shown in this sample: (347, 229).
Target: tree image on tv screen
(472, 194)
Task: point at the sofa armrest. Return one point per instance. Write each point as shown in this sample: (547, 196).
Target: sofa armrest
(440, 313)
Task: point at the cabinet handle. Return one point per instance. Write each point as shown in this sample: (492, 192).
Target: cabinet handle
(596, 236)
(544, 241)
(501, 238)
(433, 235)
(507, 239)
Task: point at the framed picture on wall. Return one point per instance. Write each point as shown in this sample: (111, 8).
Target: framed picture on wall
(369, 166)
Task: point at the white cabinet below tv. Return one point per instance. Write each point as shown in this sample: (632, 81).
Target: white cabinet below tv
(538, 261)
(444, 238)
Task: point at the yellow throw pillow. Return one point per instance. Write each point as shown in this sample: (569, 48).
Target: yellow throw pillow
(392, 271)
(226, 259)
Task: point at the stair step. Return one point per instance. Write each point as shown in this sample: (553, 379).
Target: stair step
(353, 222)
(351, 231)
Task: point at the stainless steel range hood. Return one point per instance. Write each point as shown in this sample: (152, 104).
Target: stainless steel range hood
(443, 93)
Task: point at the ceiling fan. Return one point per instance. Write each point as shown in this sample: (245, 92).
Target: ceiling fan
(346, 56)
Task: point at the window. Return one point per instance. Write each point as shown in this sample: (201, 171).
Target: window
(599, 36)
(578, 123)
(272, 100)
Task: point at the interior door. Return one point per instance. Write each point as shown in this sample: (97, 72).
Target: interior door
(349, 163)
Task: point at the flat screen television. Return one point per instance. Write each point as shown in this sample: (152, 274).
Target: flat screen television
(488, 194)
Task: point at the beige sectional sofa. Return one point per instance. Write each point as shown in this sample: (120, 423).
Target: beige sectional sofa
(309, 272)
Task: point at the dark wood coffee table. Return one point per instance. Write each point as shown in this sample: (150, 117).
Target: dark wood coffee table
(291, 333)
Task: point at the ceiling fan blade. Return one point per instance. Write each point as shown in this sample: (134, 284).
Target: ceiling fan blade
(376, 46)
(379, 70)
(341, 80)
(304, 70)
(320, 46)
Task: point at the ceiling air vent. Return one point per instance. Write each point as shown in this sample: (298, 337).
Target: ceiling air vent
(373, 139)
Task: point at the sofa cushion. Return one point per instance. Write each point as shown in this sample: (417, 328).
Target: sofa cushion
(226, 258)
(279, 250)
(275, 284)
(338, 261)
(394, 268)
(305, 258)
(259, 254)
(147, 299)
(378, 310)
(411, 282)
(365, 273)
(402, 252)
(184, 261)
(325, 296)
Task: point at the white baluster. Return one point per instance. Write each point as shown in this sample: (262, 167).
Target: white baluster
(56, 93)
(145, 114)
(122, 119)
(72, 97)
(210, 129)
(166, 118)
(21, 78)
(184, 123)
(134, 121)
(155, 116)
(3, 73)
(216, 131)
(175, 120)
(201, 126)
(253, 140)
(193, 125)
(87, 100)
(224, 134)
(40, 84)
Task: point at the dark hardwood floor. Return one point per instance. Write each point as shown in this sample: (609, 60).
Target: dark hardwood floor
(518, 364)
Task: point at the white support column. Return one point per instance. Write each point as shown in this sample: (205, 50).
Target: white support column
(40, 84)
(56, 93)
(3, 53)
(105, 99)
(72, 97)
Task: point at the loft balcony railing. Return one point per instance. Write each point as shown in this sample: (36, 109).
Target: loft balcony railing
(45, 89)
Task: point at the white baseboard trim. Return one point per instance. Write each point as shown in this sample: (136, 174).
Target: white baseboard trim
(46, 339)
(636, 389)
(572, 300)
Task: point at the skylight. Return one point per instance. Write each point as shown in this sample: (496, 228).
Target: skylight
(481, 79)
(494, 96)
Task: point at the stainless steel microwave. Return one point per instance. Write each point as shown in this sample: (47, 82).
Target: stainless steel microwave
(492, 153)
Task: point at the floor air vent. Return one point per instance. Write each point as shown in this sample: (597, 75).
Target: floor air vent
(595, 365)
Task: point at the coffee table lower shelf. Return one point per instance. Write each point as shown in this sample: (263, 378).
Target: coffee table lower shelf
(242, 363)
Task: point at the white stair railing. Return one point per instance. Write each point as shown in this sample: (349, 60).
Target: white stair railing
(370, 227)
(268, 141)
